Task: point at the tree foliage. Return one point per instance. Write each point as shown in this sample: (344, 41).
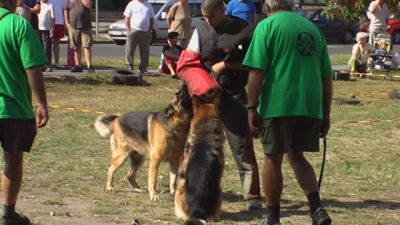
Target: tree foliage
(353, 10)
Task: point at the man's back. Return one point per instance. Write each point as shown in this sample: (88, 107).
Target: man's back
(293, 54)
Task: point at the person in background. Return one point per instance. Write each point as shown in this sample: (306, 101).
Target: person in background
(79, 24)
(20, 75)
(34, 9)
(360, 54)
(23, 10)
(244, 9)
(58, 31)
(46, 29)
(139, 20)
(379, 15)
(289, 94)
(180, 20)
(170, 55)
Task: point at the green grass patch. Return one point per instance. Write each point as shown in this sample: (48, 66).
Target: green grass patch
(65, 173)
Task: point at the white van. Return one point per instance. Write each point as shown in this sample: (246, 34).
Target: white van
(117, 30)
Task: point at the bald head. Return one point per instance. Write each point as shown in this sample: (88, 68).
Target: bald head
(210, 5)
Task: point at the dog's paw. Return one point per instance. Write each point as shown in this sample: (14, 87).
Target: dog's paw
(109, 189)
(154, 197)
(139, 190)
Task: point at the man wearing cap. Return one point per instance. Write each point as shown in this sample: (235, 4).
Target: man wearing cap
(220, 43)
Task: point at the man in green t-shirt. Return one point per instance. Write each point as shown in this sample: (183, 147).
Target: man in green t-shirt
(21, 63)
(290, 82)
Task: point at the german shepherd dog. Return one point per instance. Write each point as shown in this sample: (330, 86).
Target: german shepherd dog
(198, 194)
(162, 135)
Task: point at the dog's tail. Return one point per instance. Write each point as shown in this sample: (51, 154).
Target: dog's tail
(202, 181)
(104, 125)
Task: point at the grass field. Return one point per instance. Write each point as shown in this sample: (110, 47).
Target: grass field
(66, 170)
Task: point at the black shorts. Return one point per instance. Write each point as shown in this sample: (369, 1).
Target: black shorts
(286, 134)
(17, 135)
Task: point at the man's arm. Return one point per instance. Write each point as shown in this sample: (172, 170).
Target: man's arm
(35, 9)
(128, 24)
(35, 78)
(87, 3)
(373, 6)
(253, 89)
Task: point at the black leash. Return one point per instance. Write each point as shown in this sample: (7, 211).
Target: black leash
(321, 173)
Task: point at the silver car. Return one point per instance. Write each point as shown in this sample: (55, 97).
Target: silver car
(117, 30)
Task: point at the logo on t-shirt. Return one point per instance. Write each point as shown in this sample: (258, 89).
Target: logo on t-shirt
(305, 44)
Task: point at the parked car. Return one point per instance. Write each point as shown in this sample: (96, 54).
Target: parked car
(117, 30)
(333, 29)
(393, 28)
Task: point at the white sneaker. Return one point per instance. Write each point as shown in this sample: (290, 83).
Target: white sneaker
(59, 65)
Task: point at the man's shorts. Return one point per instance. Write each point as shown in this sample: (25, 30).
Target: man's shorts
(80, 38)
(17, 135)
(58, 32)
(286, 134)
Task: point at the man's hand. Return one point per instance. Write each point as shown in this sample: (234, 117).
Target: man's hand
(219, 67)
(42, 116)
(254, 121)
(325, 126)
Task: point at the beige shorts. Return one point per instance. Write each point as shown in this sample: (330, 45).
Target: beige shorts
(80, 38)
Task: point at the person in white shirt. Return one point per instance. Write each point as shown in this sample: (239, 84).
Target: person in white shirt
(45, 25)
(58, 30)
(379, 15)
(139, 18)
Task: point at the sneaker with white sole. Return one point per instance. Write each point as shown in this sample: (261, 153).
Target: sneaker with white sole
(321, 217)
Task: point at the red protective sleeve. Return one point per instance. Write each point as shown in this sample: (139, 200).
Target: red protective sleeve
(198, 80)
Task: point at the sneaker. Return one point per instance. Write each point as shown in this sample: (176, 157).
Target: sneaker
(59, 65)
(255, 204)
(15, 219)
(321, 217)
(90, 69)
(76, 69)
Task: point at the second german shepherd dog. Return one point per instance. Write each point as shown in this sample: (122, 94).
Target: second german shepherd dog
(162, 135)
(198, 194)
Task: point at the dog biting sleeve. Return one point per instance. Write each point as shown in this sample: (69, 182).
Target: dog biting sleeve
(198, 80)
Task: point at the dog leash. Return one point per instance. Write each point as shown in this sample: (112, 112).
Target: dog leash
(321, 173)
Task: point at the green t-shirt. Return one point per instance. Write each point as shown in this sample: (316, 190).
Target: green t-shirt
(20, 49)
(293, 55)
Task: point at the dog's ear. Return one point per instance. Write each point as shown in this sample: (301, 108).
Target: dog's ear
(169, 111)
(217, 102)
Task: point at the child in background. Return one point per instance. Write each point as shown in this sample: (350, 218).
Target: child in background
(46, 25)
(170, 55)
(23, 10)
(382, 54)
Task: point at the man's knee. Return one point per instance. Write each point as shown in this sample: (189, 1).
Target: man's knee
(295, 157)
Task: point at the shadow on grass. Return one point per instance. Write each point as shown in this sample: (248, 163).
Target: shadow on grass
(290, 208)
(369, 203)
(88, 80)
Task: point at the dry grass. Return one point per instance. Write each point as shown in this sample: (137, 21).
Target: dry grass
(66, 170)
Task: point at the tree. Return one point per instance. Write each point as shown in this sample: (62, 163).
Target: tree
(353, 10)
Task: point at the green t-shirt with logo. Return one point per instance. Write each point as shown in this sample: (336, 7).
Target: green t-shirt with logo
(293, 55)
(20, 49)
